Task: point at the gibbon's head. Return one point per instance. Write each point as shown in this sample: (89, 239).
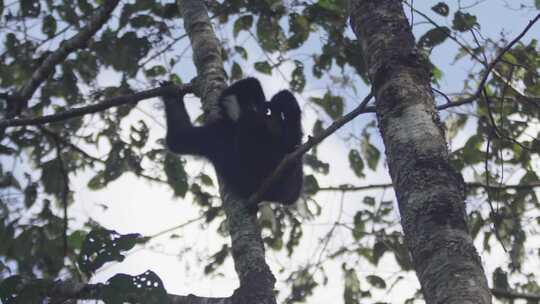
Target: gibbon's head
(244, 99)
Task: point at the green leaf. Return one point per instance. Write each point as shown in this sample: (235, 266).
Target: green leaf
(441, 8)
(352, 291)
(168, 10)
(270, 33)
(371, 153)
(311, 185)
(332, 104)
(369, 201)
(155, 71)
(146, 288)
(454, 124)
(471, 151)
(8, 180)
(122, 53)
(85, 7)
(98, 181)
(434, 37)
(49, 26)
(330, 5)
(378, 250)
(537, 4)
(30, 8)
(115, 165)
(295, 236)
(359, 226)
(76, 239)
(206, 180)
(299, 27)
(236, 71)
(376, 281)
(176, 174)
(263, 67)
(475, 223)
(241, 51)
(298, 79)
(18, 290)
(436, 74)
(243, 23)
(463, 21)
(317, 128)
(52, 177)
(356, 163)
(303, 284)
(30, 195)
(5, 149)
(141, 21)
(217, 259)
(316, 164)
(139, 136)
(101, 246)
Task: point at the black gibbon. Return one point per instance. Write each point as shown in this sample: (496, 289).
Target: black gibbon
(248, 143)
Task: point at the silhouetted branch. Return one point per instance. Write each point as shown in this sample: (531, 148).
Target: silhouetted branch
(68, 46)
(106, 104)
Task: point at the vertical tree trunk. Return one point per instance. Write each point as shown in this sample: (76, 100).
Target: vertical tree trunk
(430, 192)
(256, 279)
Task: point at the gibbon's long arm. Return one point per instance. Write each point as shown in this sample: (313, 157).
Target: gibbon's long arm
(184, 138)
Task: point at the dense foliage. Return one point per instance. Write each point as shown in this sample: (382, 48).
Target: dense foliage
(494, 137)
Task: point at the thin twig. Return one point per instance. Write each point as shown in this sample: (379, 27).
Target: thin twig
(494, 214)
(489, 67)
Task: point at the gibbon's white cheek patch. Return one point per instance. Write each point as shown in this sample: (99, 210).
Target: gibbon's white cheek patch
(232, 107)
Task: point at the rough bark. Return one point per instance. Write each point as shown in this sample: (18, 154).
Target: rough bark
(430, 192)
(256, 279)
(207, 57)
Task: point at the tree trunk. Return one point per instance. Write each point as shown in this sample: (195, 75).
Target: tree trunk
(429, 191)
(256, 278)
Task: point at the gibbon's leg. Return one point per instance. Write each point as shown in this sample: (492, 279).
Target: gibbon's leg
(286, 106)
(287, 131)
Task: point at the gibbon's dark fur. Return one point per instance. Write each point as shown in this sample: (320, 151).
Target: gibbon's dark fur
(248, 143)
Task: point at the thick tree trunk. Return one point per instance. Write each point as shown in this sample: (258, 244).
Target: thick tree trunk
(256, 279)
(430, 192)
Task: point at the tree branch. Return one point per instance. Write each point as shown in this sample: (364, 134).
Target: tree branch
(76, 42)
(106, 104)
(346, 187)
(66, 47)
